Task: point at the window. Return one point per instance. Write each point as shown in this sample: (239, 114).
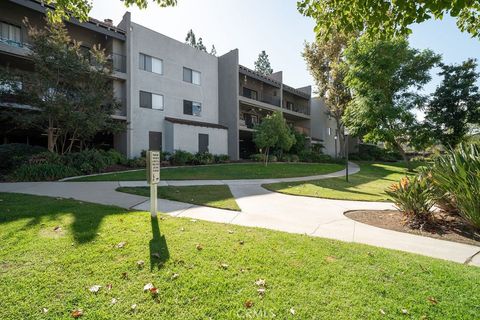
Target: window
(192, 108)
(202, 142)
(191, 76)
(10, 33)
(155, 140)
(329, 131)
(289, 105)
(151, 100)
(150, 64)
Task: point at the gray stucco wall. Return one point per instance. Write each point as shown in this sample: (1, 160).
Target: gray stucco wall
(320, 123)
(228, 86)
(175, 55)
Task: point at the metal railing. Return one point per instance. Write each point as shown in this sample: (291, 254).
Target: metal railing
(119, 62)
(297, 108)
(15, 44)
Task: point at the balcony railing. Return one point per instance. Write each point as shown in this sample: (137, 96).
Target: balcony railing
(303, 130)
(298, 108)
(119, 62)
(15, 44)
(265, 98)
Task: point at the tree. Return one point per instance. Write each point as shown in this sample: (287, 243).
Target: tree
(326, 63)
(273, 132)
(387, 17)
(213, 51)
(79, 9)
(385, 76)
(70, 91)
(262, 64)
(455, 105)
(192, 41)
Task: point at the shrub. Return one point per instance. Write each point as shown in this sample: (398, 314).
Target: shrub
(202, 158)
(456, 177)
(140, 162)
(370, 152)
(180, 158)
(294, 158)
(45, 157)
(221, 158)
(413, 196)
(312, 156)
(15, 154)
(116, 157)
(272, 158)
(258, 157)
(43, 172)
(88, 161)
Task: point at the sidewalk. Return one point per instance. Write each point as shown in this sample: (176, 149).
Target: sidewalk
(262, 208)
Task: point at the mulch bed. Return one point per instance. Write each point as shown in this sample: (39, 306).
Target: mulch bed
(446, 227)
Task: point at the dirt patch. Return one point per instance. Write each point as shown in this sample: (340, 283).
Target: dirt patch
(446, 227)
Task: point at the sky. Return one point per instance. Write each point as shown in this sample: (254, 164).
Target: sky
(274, 26)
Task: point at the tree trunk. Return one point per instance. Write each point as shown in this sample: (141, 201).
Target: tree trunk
(50, 134)
(341, 139)
(266, 155)
(404, 156)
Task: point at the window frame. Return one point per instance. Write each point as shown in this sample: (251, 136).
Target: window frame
(146, 63)
(188, 76)
(193, 105)
(20, 40)
(151, 100)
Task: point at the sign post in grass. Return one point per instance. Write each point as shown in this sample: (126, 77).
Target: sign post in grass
(153, 178)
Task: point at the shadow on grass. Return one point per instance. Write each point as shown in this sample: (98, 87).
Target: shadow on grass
(159, 253)
(87, 217)
(376, 173)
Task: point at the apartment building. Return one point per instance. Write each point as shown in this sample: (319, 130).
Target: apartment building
(173, 96)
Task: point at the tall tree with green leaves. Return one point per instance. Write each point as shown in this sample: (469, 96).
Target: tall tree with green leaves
(386, 17)
(326, 63)
(79, 9)
(70, 91)
(262, 64)
(386, 76)
(198, 44)
(272, 132)
(455, 105)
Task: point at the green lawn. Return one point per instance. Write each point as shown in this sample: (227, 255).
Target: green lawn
(314, 277)
(210, 196)
(367, 185)
(227, 171)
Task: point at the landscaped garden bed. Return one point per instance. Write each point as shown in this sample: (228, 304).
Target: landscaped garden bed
(444, 226)
(59, 256)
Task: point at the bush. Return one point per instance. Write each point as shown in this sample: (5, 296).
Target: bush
(116, 157)
(370, 152)
(201, 158)
(294, 158)
(89, 161)
(45, 157)
(180, 158)
(43, 172)
(413, 196)
(15, 154)
(137, 162)
(221, 158)
(456, 178)
(312, 156)
(258, 157)
(272, 158)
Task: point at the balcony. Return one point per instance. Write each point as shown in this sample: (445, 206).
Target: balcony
(14, 47)
(295, 107)
(262, 97)
(305, 131)
(119, 62)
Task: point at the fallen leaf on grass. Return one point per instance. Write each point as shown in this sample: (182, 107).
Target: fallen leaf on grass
(230, 231)
(44, 310)
(57, 229)
(154, 291)
(175, 276)
(432, 300)
(382, 312)
(109, 286)
(77, 313)
(241, 242)
(140, 264)
(193, 220)
(248, 304)
(199, 247)
(95, 288)
(156, 255)
(404, 311)
(133, 307)
(182, 229)
(114, 301)
(124, 275)
(261, 291)
(120, 245)
(147, 287)
(330, 259)
(261, 283)
(292, 311)
(224, 266)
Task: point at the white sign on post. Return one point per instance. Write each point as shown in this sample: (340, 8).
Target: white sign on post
(153, 178)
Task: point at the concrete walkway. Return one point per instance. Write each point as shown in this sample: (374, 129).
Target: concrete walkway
(266, 209)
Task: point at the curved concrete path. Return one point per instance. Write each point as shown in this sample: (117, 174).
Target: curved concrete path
(266, 209)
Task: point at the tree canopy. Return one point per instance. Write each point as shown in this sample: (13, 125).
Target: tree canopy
(262, 64)
(70, 90)
(326, 63)
(273, 132)
(79, 9)
(455, 105)
(386, 17)
(385, 76)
